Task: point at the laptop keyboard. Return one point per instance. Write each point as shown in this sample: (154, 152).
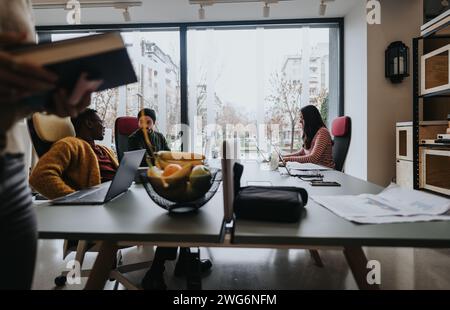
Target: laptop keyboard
(89, 195)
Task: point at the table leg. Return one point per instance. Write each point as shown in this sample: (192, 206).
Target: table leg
(102, 266)
(357, 262)
(316, 257)
(193, 272)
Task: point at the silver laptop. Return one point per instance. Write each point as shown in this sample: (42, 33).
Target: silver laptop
(264, 159)
(109, 190)
(280, 157)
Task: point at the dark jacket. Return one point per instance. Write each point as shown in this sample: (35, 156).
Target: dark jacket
(136, 141)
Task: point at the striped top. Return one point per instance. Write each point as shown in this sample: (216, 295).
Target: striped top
(320, 152)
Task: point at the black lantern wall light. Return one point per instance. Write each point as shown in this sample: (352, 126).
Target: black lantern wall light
(397, 62)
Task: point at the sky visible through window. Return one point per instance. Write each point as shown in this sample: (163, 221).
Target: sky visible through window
(234, 75)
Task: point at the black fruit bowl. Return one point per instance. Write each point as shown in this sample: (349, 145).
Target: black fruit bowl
(183, 207)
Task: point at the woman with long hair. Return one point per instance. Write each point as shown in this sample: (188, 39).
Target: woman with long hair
(317, 143)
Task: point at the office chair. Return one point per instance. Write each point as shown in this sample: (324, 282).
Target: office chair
(123, 127)
(341, 129)
(44, 130)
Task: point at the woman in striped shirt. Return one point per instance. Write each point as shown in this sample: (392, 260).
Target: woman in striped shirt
(317, 143)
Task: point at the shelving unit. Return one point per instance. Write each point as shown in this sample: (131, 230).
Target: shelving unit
(430, 109)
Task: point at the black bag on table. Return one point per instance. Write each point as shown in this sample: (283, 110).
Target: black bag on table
(267, 203)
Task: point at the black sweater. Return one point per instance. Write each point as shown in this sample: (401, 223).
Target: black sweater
(136, 141)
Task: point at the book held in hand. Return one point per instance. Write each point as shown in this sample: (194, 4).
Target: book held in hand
(103, 57)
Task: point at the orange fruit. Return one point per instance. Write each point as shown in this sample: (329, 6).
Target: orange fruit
(171, 169)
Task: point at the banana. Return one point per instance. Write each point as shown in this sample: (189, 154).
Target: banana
(179, 156)
(180, 186)
(177, 179)
(163, 163)
(183, 174)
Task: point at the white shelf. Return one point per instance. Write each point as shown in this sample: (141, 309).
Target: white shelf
(433, 123)
(437, 24)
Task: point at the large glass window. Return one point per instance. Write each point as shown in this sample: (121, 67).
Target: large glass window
(156, 59)
(246, 82)
(250, 83)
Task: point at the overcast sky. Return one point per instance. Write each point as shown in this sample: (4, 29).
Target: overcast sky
(235, 57)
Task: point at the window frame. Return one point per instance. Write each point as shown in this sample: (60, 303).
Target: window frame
(44, 35)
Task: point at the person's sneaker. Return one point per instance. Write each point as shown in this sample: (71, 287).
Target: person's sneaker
(153, 281)
(180, 267)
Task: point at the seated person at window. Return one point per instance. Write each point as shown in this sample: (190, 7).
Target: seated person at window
(154, 278)
(317, 143)
(75, 163)
(136, 141)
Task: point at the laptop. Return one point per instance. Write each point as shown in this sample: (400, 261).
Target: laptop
(307, 173)
(107, 191)
(280, 157)
(263, 157)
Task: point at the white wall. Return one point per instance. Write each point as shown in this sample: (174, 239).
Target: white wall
(182, 11)
(355, 71)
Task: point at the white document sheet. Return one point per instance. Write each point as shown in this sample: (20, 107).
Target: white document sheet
(299, 166)
(392, 205)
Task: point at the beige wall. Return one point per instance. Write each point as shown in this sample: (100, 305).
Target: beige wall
(388, 103)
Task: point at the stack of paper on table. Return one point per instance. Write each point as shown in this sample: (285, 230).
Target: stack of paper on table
(393, 205)
(305, 167)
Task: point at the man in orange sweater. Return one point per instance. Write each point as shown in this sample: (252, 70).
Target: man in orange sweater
(75, 163)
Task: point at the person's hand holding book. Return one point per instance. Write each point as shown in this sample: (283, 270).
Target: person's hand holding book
(65, 104)
(20, 80)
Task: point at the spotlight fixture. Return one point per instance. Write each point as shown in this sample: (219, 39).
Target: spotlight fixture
(444, 3)
(126, 15)
(201, 12)
(266, 7)
(266, 10)
(323, 7)
(57, 4)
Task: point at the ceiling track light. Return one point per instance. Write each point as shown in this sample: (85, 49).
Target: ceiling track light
(322, 8)
(201, 12)
(55, 4)
(126, 15)
(266, 10)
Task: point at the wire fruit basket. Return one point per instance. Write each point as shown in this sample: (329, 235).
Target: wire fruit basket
(183, 207)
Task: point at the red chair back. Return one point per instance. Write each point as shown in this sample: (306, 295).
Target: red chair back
(124, 126)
